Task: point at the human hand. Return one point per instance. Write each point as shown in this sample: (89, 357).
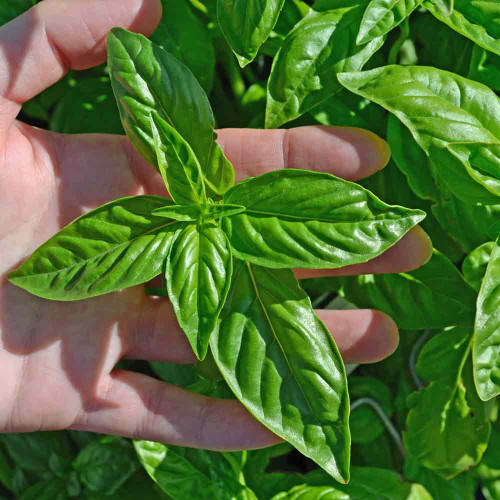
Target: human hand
(58, 357)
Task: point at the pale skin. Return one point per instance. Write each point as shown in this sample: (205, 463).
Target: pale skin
(57, 358)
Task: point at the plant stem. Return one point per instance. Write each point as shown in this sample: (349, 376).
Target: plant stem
(413, 359)
(385, 420)
(405, 34)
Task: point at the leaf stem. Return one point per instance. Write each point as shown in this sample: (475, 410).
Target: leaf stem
(391, 429)
(413, 359)
(396, 47)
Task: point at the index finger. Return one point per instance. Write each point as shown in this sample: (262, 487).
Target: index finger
(38, 47)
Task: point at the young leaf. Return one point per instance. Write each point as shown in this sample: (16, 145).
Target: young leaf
(182, 34)
(381, 16)
(440, 108)
(448, 407)
(433, 296)
(246, 25)
(187, 473)
(299, 218)
(177, 163)
(198, 274)
(118, 245)
(485, 67)
(486, 349)
(288, 373)
(194, 212)
(320, 46)
(475, 264)
(148, 79)
(478, 21)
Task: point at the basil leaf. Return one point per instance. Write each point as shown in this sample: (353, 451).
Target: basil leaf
(194, 212)
(485, 67)
(147, 79)
(183, 35)
(198, 275)
(184, 473)
(433, 296)
(304, 72)
(461, 487)
(448, 407)
(93, 464)
(260, 344)
(475, 264)
(48, 489)
(478, 21)
(367, 483)
(439, 108)
(299, 218)
(113, 247)
(246, 25)
(381, 16)
(486, 331)
(178, 165)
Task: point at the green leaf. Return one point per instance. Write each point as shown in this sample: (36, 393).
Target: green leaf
(485, 67)
(87, 107)
(49, 489)
(364, 422)
(440, 109)
(288, 373)
(299, 218)
(479, 21)
(187, 473)
(433, 296)
(183, 35)
(178, 165)
(475, 264)
(6, 472)
(304, 71)
(486, 350)
(103, 466)
(461, 487)
(367, 483)
(246, 25)
(194, 212)
(113, 247)
(147, 79)
(198, 274)
(447, 428)
(31, 451)
(381, 16)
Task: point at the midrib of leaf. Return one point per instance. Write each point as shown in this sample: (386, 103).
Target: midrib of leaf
(276, 336)
(103, 253)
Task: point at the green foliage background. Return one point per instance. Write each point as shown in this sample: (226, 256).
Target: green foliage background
(421, 427)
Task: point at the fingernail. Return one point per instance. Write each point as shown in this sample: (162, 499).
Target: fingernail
(377, 152)
(420, 247)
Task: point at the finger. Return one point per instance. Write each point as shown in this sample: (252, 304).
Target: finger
(412, 251)
(37, 48)
(140, 407)
(347, 152)
(363, 336)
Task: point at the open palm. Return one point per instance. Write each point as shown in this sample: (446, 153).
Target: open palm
(57, 358)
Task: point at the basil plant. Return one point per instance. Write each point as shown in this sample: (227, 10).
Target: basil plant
(226, 252)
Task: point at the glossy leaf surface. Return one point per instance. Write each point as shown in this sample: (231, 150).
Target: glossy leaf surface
(184, 473)
(177, 163)
(185, 36)
(448, 407)
(247, 24)
(486, 348)
(381, 16)
(479, 21)
(299, 218)
(441, 108)
(304, 71)
(113, 247)
(198, 277)
(475, 264)
(432, 296)
(194, 212)
(283, 365)
(148, 79)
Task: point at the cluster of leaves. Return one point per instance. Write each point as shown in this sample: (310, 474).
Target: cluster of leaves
(429, 86)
